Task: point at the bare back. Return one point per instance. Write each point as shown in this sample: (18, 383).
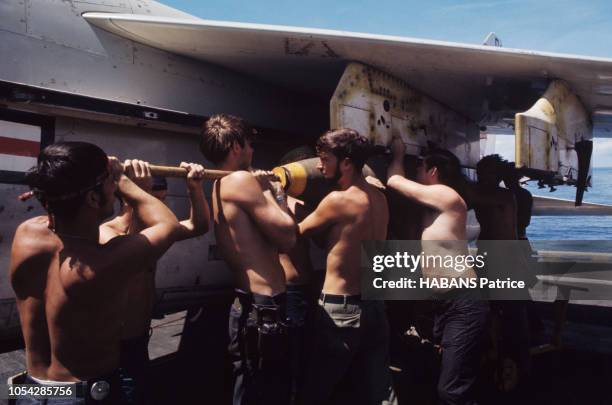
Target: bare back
(71, 333)
(35, 252)
(250, 255)
(84, 322)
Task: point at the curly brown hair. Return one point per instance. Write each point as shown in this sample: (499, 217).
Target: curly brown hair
(346, 143)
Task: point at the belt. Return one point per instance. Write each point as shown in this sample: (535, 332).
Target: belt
(106, 388)
(103, 390)
(262, 309)
(340, 299)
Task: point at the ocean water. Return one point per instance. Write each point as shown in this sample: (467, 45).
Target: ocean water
(575, 228)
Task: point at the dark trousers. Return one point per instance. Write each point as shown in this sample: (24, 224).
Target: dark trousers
(460, 328)
(348, 362)
(299, 311)
(259, 348)
(515, 337)
(134, 364)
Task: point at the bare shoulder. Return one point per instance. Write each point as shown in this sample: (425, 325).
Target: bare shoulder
(238, 177)
(451, 197)
(33, 247)
(335, 199)
(34, 236)
(238, 186)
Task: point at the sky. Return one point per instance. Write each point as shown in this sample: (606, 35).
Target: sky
(561, 26)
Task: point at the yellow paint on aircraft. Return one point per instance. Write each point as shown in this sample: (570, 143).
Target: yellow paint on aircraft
(547, 132)
(380, 106)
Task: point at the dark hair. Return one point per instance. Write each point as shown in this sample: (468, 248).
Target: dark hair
(346, 143)
(494, 164)
(449, 169)
(65, 172)
(219, 134)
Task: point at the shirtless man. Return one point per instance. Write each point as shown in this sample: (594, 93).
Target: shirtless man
(68, 285)
(140, 294)
(459, 324)
(252, 225)
(495, 206)
(497, 212)
(349, 358)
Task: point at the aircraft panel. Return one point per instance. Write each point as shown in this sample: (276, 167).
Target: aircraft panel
(42, 23)
(17, 22)
(547, 134)
(458, 75)
(145, 76)
(379, 105)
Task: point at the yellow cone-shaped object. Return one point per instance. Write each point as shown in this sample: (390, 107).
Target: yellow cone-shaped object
(303, 180)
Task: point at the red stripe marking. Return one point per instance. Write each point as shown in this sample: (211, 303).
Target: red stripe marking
(19, 147)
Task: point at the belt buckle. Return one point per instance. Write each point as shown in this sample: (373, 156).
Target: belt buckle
(99, 390)
(262, 310)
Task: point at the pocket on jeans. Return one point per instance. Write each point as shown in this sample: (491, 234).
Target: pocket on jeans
(347, 319)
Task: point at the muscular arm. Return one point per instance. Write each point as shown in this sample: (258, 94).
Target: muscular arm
(160, 229)
(199, 213)
(120, 225)
(438, 196)
(323, 217)
(276, 224)
(199, 216)
(396, 167)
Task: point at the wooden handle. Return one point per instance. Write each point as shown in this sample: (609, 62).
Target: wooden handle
(170, 171)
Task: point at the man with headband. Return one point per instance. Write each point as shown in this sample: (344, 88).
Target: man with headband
(68, 285)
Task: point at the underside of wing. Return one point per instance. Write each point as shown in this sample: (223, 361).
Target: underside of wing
(485, 84)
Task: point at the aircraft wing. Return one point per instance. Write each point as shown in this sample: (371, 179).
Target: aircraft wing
(556, 206)
(473, 80)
